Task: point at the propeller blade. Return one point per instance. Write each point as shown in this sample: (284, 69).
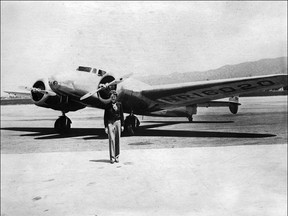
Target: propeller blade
(89, 94)
(114, 82)
(51, 93)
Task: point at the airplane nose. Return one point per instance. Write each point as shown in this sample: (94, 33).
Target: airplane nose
(56, 81)
(53, 82)
(61, 82)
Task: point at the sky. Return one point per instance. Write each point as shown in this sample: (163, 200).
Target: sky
(41, 38)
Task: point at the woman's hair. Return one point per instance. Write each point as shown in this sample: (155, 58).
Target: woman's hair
(113, 92)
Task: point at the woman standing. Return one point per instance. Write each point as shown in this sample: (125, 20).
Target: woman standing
(114, 125)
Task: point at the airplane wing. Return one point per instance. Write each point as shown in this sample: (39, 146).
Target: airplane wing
(18, 93)
(186, 94)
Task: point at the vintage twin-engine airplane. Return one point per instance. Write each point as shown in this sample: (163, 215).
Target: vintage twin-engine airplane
(90, 87)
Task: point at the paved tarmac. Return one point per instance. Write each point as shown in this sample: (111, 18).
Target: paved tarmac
(221, 164)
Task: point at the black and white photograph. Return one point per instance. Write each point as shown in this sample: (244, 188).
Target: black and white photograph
(136, 108)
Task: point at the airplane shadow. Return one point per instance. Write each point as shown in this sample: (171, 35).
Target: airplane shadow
(187, 122)
(146, 130)
(184, 133)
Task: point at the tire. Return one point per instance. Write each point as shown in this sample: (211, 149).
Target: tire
(130, 130)
(62, 125)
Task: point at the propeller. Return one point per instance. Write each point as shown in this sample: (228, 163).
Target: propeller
(38, 90)
(104, 86)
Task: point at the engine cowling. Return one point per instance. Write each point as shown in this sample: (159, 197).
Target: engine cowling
(55, 102)
(104, 95)
(39, 98)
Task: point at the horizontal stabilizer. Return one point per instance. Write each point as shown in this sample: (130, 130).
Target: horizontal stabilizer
(217, 104)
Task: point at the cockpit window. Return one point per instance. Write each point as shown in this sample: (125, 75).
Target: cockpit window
(85, 69)
(91, 70)
(101, 73)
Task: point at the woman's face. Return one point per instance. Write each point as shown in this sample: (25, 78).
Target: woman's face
(113, 98)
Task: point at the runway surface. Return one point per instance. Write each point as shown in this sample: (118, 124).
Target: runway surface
(221, 164)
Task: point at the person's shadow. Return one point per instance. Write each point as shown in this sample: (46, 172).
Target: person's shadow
(100, 161)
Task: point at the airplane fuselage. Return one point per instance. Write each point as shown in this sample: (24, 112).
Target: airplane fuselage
(76, 84)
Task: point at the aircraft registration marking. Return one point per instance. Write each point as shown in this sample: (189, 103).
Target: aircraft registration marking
(212, 92)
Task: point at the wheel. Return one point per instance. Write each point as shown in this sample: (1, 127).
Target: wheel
(233, 108)
(130, 130)
(62, 124)
(131, 125)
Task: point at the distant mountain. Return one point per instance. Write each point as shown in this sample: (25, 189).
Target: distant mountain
(256, 68)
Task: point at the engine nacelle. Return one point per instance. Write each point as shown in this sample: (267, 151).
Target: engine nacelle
(55, 102)
(104, 95)
(39, 98)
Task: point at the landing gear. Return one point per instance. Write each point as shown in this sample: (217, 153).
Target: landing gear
(234, 104)
(62, 124)
(233, 108)
(190, 111)
(131, 124)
